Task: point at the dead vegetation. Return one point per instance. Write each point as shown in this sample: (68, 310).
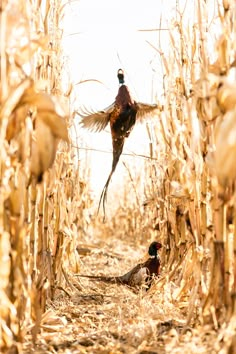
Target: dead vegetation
(47, 233)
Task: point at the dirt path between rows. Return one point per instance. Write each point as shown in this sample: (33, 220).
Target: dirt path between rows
(94, 317)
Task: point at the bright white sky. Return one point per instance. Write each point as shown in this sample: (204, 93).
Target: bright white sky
(101, 36)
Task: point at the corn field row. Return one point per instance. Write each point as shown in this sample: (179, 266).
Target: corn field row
(189, 193)
(39, 209)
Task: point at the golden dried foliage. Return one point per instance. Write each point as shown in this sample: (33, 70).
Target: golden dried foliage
(40, 213)
(190, 177)
(187, 200)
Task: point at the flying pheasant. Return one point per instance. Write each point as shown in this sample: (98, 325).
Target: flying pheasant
(141, 274)
(122, 115)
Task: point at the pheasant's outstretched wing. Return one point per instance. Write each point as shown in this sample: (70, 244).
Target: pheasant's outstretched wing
(95, 121)
(145, 110)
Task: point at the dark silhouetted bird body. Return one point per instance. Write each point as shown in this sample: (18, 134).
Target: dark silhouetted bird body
(122, 115)
(141, 274)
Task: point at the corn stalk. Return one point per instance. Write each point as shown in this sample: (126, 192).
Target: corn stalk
(36, 200)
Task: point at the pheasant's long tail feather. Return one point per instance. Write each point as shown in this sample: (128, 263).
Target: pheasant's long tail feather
(103, 196)
(117, 150)
(101, 278)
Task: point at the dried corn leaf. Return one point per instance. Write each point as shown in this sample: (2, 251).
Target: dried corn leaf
(25, 53)
(224, 156)
(177, 190)
(226, 96)
(17, 122)
(205, 91)
(39, 100)
(223, 52)
(14, 98)
(46, 126)
(56, 124)
(5, 261)
(51, 321)
(43, 149)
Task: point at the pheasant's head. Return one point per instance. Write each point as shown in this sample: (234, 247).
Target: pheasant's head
(153, 248)
(120, 75)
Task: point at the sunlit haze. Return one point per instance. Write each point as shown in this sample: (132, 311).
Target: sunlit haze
(99, 38)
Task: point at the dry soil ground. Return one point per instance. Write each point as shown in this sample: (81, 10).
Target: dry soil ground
(94, 317)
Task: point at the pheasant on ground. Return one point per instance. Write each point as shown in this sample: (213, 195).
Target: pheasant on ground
(122, 116)
(141, 274)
